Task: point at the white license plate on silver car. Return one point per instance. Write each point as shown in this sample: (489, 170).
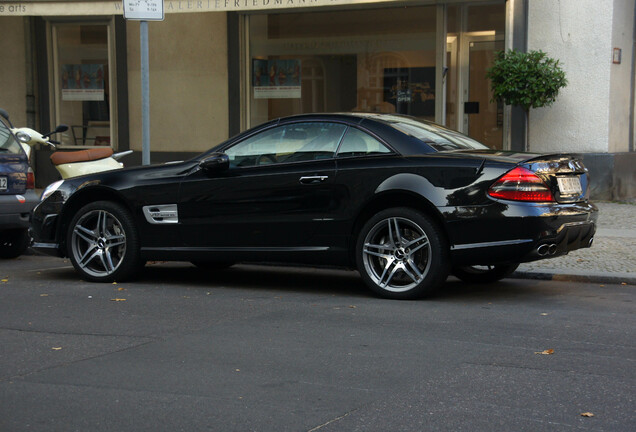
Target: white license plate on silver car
(3, 183)
(570, 185)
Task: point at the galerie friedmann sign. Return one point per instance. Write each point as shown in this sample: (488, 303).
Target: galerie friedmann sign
(68, 8)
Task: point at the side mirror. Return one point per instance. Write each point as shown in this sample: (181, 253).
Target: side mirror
(58, 129)
(5, 115)
(215, 162)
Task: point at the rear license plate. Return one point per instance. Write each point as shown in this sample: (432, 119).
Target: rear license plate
(3, 183)
(570, 185)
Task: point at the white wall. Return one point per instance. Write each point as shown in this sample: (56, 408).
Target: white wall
(621, 76)
(188, 82)
(13, 70)
(579, 34)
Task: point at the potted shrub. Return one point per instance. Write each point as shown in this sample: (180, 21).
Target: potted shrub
(526, 79)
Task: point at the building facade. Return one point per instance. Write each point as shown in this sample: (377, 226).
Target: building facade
(218, 67)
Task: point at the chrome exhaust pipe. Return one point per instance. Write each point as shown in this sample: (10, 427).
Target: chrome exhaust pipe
(543, 250)
(552, 249)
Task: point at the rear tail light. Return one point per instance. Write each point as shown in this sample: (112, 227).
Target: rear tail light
(30, 183)
(521, 184)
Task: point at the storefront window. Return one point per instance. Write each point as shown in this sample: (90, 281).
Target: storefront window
(82, 87)
(380, 60)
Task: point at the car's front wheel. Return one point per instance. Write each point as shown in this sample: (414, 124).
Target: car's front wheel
(103, 242)
(402, 254)
(13, 243)
(484, 274)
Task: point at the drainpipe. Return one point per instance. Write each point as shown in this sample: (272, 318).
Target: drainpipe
(518, 20)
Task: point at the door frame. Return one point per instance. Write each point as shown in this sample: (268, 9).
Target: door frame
(54, 89)
(463, 84)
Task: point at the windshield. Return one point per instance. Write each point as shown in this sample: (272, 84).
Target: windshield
(8, 144)
(438, 137)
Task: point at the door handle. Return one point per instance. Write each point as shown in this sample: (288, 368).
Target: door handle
(313, 179)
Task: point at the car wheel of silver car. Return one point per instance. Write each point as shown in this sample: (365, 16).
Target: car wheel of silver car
(484, 274)
(103, 243)
(402, 254)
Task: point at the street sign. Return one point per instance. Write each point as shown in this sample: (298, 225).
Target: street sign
(143, 10)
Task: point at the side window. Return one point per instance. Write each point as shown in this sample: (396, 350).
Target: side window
(358, 143)
(289, 143)
(7, 143)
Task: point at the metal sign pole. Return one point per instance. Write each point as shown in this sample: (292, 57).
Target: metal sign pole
(145, 94)
(144, 10)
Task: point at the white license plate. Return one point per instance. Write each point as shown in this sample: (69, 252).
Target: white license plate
(3, 183)
(570, 185)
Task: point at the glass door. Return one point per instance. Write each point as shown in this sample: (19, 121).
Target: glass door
(482, 118)
(474, 35)
(82, 82)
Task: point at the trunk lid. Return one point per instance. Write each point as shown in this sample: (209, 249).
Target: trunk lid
(13, 164)
(564, 174)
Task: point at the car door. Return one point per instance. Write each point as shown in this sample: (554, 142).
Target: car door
(274, 195)
(362, 163)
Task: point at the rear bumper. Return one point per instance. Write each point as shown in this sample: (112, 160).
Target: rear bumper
(521, 233)
(15, 210)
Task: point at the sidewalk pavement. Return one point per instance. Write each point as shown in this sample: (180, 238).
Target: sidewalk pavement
(611, 259)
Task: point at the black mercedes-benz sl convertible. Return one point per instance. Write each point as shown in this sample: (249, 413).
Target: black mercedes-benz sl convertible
(406, 202)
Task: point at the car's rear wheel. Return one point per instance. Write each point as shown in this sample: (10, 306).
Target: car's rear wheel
(103, 242)
(402, 254)
(484, 274)
(13, 243)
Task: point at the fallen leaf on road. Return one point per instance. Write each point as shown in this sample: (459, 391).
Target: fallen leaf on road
(117, 299)
(587, 414)
(545, 352)
(44, 295)
(544, 314)
(121, 289)
(5, 280)
(56, 348)
(352, 307)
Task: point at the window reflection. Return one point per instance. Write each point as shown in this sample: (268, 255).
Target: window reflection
(379, 60)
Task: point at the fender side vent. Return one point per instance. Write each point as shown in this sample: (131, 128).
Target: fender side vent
(161, 214)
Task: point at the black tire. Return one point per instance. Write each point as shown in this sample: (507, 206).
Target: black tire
(212, 265)
(402, 254)
(484, 274)
(103, 243)
(13, 243)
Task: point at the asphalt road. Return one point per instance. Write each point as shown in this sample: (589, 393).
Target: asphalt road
(258, 348)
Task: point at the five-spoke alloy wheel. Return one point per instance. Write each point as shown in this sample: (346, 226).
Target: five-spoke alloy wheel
(103, 243)
(401, 254)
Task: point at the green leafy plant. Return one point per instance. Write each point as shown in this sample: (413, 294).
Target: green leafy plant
(526, 79)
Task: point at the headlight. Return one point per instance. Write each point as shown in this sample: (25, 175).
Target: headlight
(50, 189)
(23, 137)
